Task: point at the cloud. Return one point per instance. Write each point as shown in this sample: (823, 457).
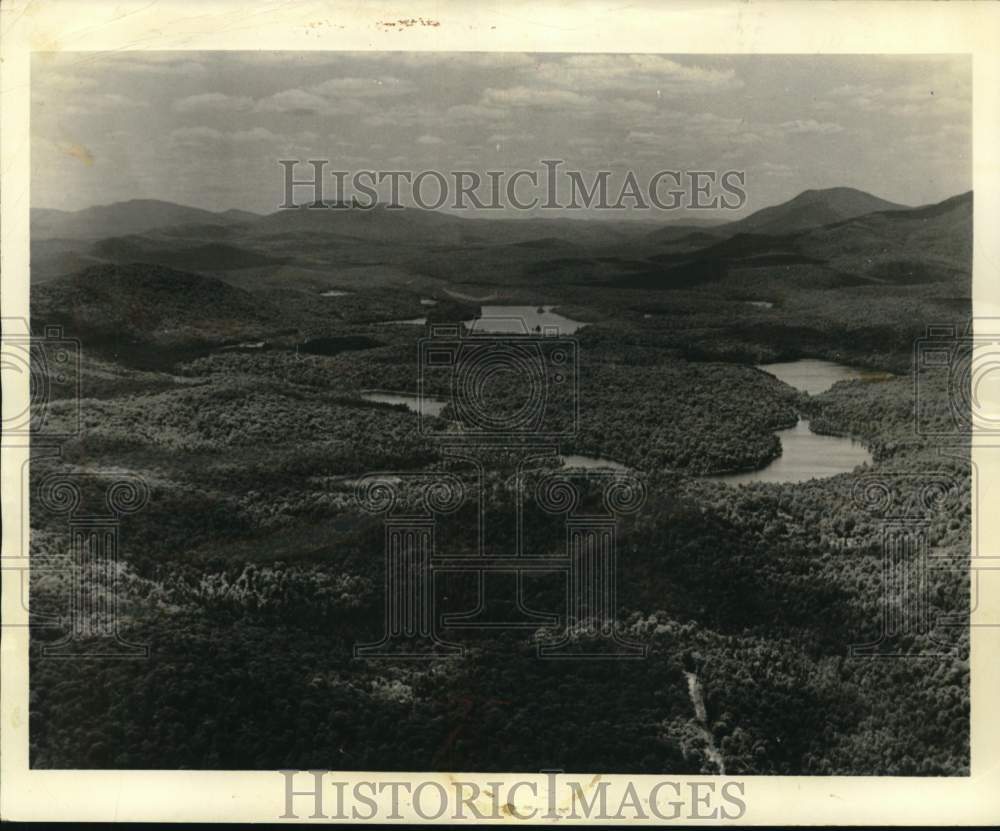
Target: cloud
(334, 96)
(714, 124)
(255, 134)
(745, 138)
(195, 135)
(610, 72)
(503, 137)
(102, 103)
(644, 137)
(810, 125)
(430, 140)
(58, 82)
(141, 63)
(296, 102)
(363, 87)
(951, 96)
(213, 102)
(475, 60)
(776, 169)
(530, 97)
(474, 113)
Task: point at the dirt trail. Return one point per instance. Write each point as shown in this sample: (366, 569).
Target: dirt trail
(700, 714)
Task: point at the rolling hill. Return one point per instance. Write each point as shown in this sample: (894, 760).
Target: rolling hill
(140, 305)
(135, 216)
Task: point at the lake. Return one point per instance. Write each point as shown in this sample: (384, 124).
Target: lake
(591, 462)
(804, 455)
(815, 376)
(413, 402)
(430, 406)
(512, 320)
(335, 293)
(413, 321)
(760, 304)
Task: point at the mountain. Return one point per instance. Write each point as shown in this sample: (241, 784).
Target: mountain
(908, 246)
(135, 216)
(810, 209)
(186, 254)
(380, 223)
(926, 244)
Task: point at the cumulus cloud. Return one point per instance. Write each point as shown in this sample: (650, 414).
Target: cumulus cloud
(430, 140)
(810, 125)
(952, 96)
(295, 101)
(502, 137)
(213, 102)
(776, 169)
(101, 104)
(256, 134)
(195, 135)
(473, 60)
(363, 87)
(474, 113)
(609, 72)
(142, 63)
(531, 97)
(58, 82)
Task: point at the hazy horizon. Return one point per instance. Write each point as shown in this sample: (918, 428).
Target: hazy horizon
(658, 217)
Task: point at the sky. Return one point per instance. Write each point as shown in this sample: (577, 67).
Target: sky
(207, 128)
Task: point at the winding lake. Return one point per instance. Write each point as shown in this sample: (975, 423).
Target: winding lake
(806, 455)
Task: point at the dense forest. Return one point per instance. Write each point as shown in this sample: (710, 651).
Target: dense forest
(253, 572)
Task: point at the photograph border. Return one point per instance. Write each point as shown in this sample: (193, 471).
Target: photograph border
(643, 27)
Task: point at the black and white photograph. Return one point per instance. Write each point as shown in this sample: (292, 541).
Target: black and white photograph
(569, 412)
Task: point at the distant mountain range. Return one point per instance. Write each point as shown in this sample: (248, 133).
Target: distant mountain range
(809, 209)
(837, 236)
(136, 216)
